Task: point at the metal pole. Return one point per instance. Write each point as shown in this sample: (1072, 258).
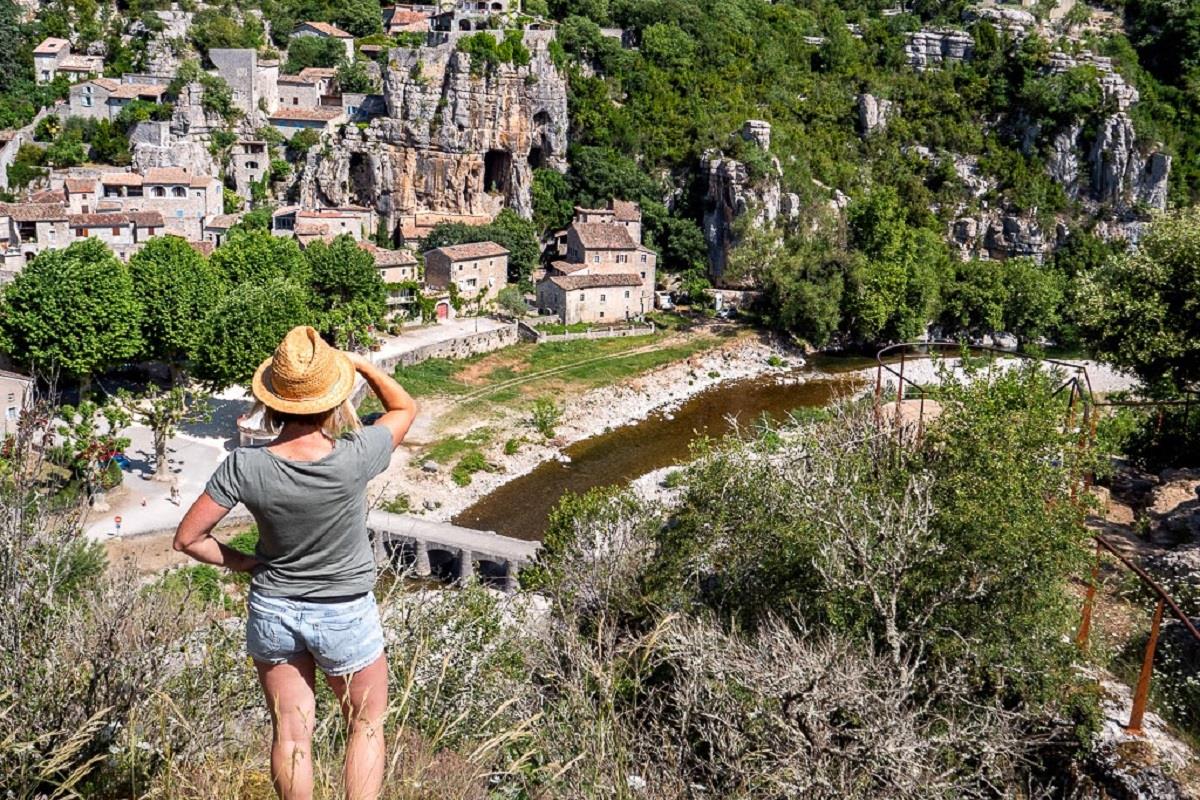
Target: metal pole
(899, 392)
(1142, 693)
(1089, 604)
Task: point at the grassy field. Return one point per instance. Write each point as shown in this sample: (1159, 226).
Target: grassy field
(554, 366)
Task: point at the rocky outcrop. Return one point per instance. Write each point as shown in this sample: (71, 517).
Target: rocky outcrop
(732, 193)
(998, 234)
(929, 49)
(1122, 175)
(452, 142)
(873, 113)
(1063, 162)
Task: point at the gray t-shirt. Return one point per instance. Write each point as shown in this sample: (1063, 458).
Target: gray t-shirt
(311, 515)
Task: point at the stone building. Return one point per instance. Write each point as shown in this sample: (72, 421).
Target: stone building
(103, 98)
(407, 19)
(16, 392)
(216, 227)
(395, 267)
(53, 57)
(477, 269)
(299, 91)
(607, 275)
(249, 161)
(184, 200)
(124, 233)
(254, 82)
(600, 298)
(326, 31)
(290, 121)
(27, 229)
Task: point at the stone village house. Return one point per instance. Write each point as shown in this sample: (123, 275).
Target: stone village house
(326, 31)
(607, 275)
(54, 57)
(16, 392)
(479, 270)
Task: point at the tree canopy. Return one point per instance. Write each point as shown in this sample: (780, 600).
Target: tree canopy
(1141, 310)
(71, 310)
(255, 256)
(245, 327)
(176, 286)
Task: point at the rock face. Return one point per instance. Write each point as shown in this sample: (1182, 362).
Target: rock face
(452, 142)
(732, 192)
(929, 49)
(873, 113)
(1122, 175)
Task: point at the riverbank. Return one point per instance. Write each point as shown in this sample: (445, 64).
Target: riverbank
(503, 434)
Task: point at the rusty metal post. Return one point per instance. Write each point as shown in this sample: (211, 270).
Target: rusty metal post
(900, 389)
(1142, 693)
(1089, 605)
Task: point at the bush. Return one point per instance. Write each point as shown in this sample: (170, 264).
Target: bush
(545, 416)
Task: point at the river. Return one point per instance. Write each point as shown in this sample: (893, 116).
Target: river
(521, 507)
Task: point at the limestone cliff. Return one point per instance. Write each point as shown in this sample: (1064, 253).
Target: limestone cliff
(732, 192)
(453, 142)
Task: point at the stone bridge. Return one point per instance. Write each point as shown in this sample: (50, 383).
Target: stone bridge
(420, 538)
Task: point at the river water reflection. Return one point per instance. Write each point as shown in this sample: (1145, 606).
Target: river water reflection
(520, 507)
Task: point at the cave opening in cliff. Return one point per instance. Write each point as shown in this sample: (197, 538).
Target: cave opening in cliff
(497, 170)
(537, 158)
(362, 180)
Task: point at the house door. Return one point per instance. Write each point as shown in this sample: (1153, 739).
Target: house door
(443, 310)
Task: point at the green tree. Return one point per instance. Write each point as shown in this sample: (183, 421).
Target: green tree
(163, 412)
(255, 256)
(518, 236)
(215, 28)
(176, 286)
(512, 300)
(245, 327)
(359, 17)
(1139, 311)
(896, 274)
(669, 47)
(109, 145)
(352, 76)
(347, 289)
(73, 311)
(89, 436)
(13, 44)
(302, 141)
(313, 51)
(552, 202)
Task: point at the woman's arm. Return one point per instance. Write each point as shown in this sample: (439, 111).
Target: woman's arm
(194, 537)
(399, 408)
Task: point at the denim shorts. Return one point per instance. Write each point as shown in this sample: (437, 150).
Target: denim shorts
(343, 636)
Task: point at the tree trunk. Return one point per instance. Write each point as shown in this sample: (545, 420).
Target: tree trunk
(161, 471)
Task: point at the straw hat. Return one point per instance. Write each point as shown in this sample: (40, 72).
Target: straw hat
(305, 376)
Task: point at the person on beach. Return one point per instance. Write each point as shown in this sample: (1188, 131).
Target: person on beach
(311, 603)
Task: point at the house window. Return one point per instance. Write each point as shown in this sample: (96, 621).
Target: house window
(626, 294)
(643, 276)
(596, 258)
(83, 233)
(295, 101)
(87, 101)
(622, 258)
(643, 258)
(116, 231)
(583, 295)
(472, 283)
(601, 315)
(178, 191)
(602, 298)
(251, 165)
(158, 191)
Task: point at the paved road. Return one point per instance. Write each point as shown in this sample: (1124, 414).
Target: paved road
(144, 505)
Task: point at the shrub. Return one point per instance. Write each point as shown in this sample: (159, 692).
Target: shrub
(545, 416)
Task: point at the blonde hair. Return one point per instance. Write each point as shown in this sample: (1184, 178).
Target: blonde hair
(333, 423)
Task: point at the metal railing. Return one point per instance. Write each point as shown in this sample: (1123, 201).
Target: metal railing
(1079, 388)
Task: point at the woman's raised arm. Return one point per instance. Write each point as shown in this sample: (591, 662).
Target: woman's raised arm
(399, 408)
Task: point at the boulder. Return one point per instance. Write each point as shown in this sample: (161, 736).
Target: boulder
(873, 113)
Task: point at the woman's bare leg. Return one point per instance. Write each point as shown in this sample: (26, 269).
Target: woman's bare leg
(292, 702)
(363, 696)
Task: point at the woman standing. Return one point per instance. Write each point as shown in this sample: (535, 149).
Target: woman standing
(311, 603)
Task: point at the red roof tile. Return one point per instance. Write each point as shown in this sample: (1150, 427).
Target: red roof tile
(462, 252)
(570, 282)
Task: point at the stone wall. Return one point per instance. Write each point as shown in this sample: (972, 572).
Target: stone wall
(461, 347)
